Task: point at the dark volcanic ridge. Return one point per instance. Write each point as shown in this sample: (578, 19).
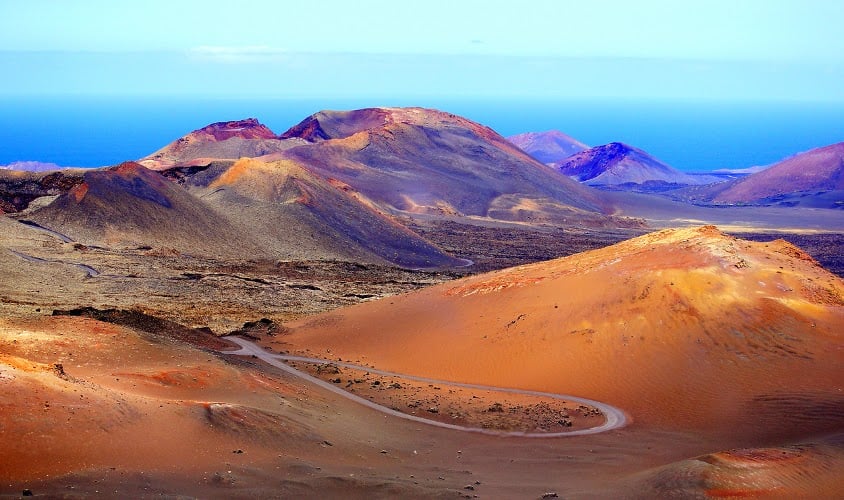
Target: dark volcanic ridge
(20, 188)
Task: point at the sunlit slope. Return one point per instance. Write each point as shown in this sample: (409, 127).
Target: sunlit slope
(686, 329)
(426, 161)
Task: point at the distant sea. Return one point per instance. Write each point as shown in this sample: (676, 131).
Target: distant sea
(689, 135)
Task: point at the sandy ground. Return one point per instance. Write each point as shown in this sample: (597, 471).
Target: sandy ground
(726, 355)
(129, 414)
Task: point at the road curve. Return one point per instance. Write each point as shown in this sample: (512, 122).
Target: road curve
(615, 418)
(90, 271)
(34, 225)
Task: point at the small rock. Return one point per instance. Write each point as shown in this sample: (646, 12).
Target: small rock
(328, 369)
(384, 452)
(469, 487)
(550, 494)
(238, 452)
(433, 409)
(27, 493)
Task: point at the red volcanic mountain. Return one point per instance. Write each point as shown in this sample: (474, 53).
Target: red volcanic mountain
(548, 147)
(422, 161)
(330, 187)
(222, 140)
(817, 170)
(616, 164)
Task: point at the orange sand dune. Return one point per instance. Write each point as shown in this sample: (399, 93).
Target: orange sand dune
(684, 329)
(810, 469)
(79, 394)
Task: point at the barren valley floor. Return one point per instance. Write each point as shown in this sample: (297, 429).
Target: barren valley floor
(133, 396)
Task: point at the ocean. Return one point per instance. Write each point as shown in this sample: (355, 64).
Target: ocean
(689, 135)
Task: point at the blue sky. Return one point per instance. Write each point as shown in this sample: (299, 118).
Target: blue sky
(752, 49)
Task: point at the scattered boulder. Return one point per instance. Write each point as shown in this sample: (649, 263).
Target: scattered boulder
(255, 329)
(496, 408)
(329, 369)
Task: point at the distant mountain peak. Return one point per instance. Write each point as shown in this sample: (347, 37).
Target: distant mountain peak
(619, 148)
(250, 128)
(220, 140)
(128, 168)
(548, 147)
(31, 166)
(609, 160)
(618, 163)
(820, 169)
(326, 125)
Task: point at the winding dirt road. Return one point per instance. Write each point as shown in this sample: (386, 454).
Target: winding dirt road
(39, 227)
(615, 418)
(90, 271)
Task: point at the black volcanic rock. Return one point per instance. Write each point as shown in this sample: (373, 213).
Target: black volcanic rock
(19, 188)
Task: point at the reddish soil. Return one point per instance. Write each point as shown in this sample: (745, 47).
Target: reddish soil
(460, 406)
